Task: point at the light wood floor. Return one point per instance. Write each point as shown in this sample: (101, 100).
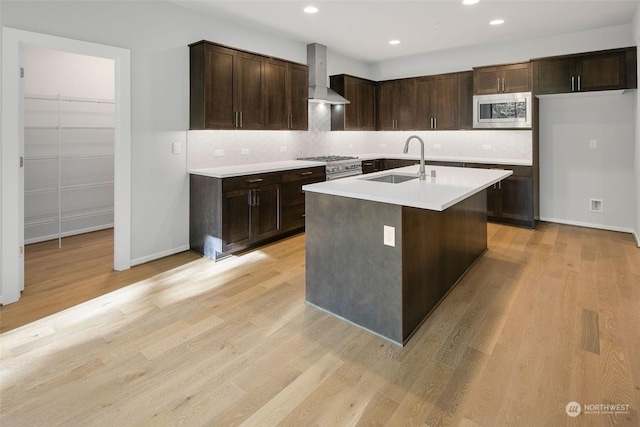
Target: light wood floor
(56, 279)
(546, 317)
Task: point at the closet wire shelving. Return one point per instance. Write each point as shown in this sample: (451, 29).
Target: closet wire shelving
(98, 210)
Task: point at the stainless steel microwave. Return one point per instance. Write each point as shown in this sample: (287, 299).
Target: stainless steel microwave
(504, 110)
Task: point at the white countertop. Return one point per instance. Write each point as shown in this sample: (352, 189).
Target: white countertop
(450, 186)
(254, 168)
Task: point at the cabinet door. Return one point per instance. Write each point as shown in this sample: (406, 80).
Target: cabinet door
(604, 71)
(251, 100)
(516, 198)
(446, 114)
(297, 96)
(276, 112)
(516, 78)
(404, 104)
(465, 100)
(236, 220)
(487, 80)
(425, 102)
(266, 212)
(220, 66)
(384, 93)
(367, 106)
(553, 75)
(352, 92)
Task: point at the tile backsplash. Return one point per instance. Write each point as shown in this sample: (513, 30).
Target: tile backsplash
(223, 148)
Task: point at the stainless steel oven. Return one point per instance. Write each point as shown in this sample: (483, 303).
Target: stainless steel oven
(504, 110)
(338, 166)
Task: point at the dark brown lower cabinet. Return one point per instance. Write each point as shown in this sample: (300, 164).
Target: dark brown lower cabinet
(370, 166)
(293, 200)
(249, 216)
(511, 200)
(227, 215)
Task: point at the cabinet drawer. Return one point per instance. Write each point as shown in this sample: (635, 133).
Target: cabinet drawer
(293, 216)
(292, 191)
(318, 173)
(250, 181)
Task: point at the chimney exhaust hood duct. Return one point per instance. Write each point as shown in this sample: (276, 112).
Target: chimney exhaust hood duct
(319, 90)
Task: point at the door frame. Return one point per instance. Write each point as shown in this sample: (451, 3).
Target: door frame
(11, 257)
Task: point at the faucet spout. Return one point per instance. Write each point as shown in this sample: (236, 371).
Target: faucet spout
(421, 172)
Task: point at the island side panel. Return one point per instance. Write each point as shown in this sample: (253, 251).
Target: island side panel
(349, 270)
(438, 248)
(204, 222)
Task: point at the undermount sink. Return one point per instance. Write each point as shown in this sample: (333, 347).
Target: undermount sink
(393, 178)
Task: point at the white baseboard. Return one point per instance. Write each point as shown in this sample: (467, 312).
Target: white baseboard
(637, 238)
(158, 255)
(590, 225)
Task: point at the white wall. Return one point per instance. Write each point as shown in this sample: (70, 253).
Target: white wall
(466, 58)
(49, 72)
(572, 173)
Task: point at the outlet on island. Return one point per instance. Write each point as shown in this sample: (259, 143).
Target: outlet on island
(219, 152)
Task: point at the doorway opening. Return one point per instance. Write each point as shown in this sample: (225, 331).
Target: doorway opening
(14, 43)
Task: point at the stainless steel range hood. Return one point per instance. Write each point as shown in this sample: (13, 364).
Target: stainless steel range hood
(319, 90)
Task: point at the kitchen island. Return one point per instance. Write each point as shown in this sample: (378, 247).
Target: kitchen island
(382, 255)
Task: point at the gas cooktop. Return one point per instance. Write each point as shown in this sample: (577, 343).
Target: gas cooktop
(327, 158)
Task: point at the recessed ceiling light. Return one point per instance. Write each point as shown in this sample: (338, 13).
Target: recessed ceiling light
(311, 9)
(394, 42)
(497, 22)
(469, 2)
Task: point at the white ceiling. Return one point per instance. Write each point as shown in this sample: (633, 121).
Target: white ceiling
(362, 29)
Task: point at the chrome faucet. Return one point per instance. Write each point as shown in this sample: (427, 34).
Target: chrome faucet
(421, 172)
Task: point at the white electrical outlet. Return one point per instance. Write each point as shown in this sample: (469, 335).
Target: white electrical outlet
(593, 143)
(244, 151)
(437, 146)
(595, 205)
(219, 152)
(486, 147)
(283, 149)
(389, 235)
(176, 148)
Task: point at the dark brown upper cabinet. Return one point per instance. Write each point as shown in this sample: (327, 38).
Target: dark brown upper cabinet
(511, 78)
(234, 89)
(395, 104)
(465, 100)
(436, 102)
(287, 92)
(592, 71)
(360, 114)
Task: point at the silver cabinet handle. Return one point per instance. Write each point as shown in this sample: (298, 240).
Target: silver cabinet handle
(257, 197)
(435, 123)
(503, 84)
(498, 84)
(235, 118)
(306, 173)
(253, 181)
(573, 84)
(367, 163)
(241, 119)
(579, 84)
